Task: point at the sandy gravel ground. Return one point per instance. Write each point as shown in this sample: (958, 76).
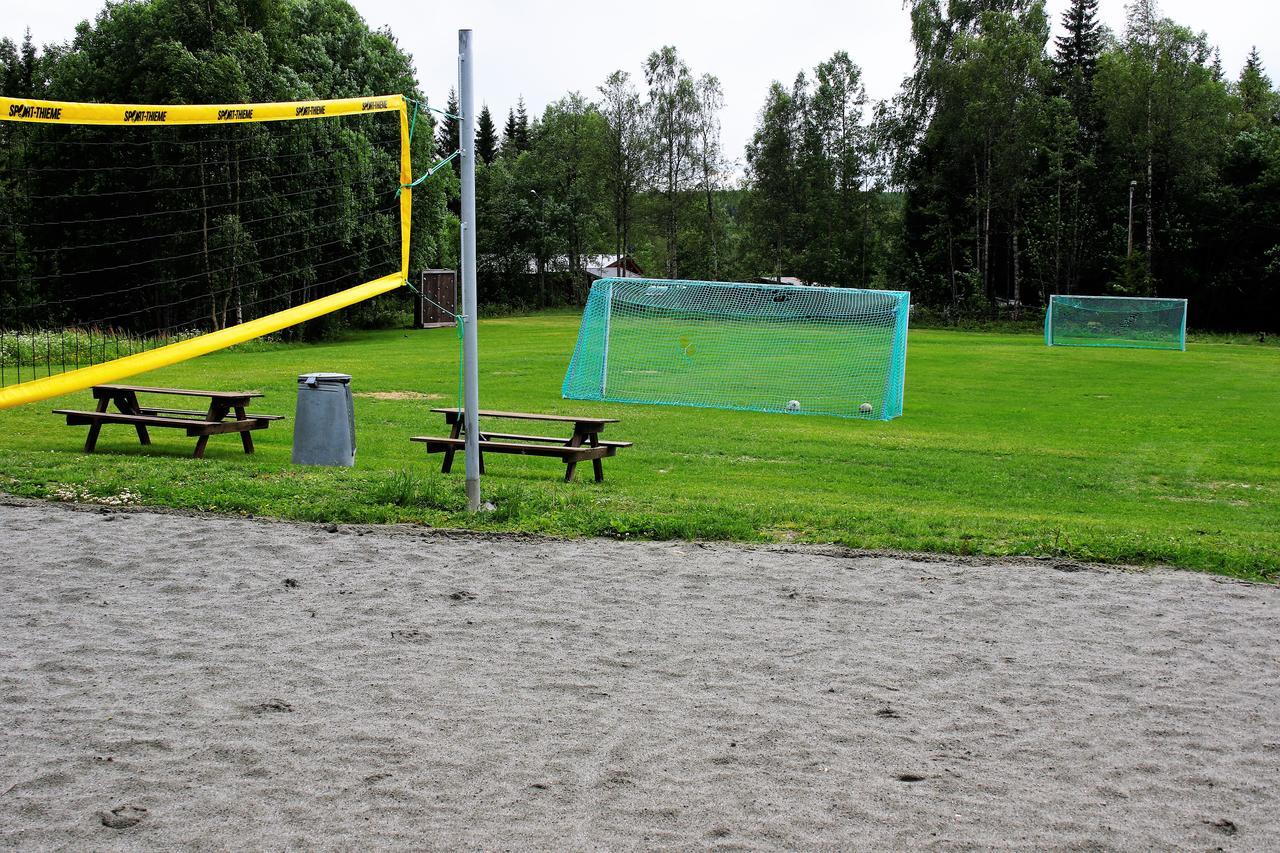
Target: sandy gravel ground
(168, 680)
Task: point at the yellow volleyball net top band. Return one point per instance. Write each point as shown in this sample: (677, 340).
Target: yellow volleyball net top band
(67, 112)
(28, 110)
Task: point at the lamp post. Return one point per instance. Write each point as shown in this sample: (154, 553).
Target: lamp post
(1133, 185)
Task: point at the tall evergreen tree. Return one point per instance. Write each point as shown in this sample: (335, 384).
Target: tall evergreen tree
(1069, 246)
(1076, 62)
(522, 126)
(486, 137)
(1080, 46)
(449, 139)
(515, 133)
(1255, 90)
(509, 133)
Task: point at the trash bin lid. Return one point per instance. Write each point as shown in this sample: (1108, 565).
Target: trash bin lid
(335, 378)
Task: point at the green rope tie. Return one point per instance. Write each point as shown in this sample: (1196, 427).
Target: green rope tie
(427, 106)
(437, 167)
(461, 326)
(459, 321)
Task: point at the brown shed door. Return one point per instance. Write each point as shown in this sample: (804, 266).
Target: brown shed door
(439, 301)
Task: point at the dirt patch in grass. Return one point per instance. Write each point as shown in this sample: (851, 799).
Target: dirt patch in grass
(398, 395)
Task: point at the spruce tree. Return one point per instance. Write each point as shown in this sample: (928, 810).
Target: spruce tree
(1077, 57)
(1255, 89)
(515, 133)
(486, 137)
(522, 126)
(509, 133)
(449, 139)
(27, 70)
(1082, 43)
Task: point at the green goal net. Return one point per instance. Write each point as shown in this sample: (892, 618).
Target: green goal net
(1116, 321)
(758, 347)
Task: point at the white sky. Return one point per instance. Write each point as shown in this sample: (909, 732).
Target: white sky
(542, 49)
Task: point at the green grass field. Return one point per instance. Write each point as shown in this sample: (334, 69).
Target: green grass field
(1006, 447)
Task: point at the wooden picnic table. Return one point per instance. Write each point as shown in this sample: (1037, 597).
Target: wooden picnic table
(197, 422)
(584, 444)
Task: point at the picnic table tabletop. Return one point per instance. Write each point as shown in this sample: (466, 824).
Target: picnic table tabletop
(529, 416)
(217, 419)
(107, 390)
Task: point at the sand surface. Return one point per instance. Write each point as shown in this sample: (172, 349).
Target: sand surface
(223, 683)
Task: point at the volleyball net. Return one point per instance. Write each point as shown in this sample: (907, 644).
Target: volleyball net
(138, 236)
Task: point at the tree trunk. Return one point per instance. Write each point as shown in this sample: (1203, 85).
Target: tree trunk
(1017, 280)
(626, 223)
(1150, 210)
(977, 218)
(672, 194)
(951, 263)
(1057, 237)
(711, 225)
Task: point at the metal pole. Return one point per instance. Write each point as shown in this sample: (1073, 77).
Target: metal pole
(1132, 186)
(608, 321)
(470, 348)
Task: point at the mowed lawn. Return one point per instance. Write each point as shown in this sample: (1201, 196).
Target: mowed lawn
(1005, 447)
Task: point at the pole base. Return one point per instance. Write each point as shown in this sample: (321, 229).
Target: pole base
(473, 495)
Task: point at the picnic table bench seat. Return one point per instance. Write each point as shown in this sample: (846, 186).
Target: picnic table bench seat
(511, 436)
(197, 423)
(583, 445)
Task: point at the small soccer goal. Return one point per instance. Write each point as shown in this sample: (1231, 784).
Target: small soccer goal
(1116, 321)
(757, 347)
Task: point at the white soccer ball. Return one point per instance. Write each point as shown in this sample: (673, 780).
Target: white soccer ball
(793, 406)
(865, 408)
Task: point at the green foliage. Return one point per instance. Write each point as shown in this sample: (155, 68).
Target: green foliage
(816, 212)
(627, 153)
(486, 137)
(1016, 170)
(1257, 97)
(515, 135)
(450, 132)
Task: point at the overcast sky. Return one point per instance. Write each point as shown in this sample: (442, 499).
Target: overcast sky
(543, 48)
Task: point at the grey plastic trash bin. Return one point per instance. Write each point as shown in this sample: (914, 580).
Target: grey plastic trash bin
(324, 430)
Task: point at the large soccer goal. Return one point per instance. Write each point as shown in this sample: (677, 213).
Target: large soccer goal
(1116, 321)
(136, 236)
(759, 347)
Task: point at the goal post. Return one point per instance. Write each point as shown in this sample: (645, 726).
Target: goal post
(1116, 321)
(751, 347)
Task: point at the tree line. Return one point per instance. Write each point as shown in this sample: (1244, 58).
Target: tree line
(1107, 163)
(1009, 166)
